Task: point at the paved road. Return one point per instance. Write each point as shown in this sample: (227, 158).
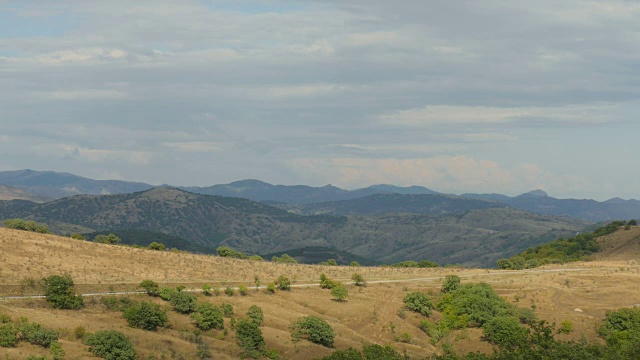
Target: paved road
(432, 278)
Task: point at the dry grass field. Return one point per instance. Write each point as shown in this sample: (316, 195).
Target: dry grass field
(371, 314)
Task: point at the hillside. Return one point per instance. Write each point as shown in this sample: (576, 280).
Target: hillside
(379, 204)
(475, 237)
(373, 314)
(13, 193)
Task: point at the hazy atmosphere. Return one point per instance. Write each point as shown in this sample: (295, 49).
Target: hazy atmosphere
(458, 96)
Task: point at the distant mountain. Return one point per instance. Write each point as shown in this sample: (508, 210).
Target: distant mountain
(57, 185)
(379, 204)
(475, 237)
(13, 193)
(540, 202)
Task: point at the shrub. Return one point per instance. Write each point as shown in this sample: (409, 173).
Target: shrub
(339, 292)
(8, 335)
(271, 288)
(225, 251)
(283, 283)
(249, 337)
(111, 345)
(107, 239)
(243, 290)
(478, 302)
(183, 302)
(116, 303)
(156, 246)
(418, 302)
(146, 316)
(357, 279)
(56, 350)
(566, 326)
(229, 291)
(227, 310)
(59, 292)
(78, 236)
(151, 287)
(505, 331)
(208, 317)
(286, 259)
(255, 315)
(313, 329)
(354, 263)
(206, 290)
(26, 225)
(166, 293)
(326, 283)
(451, 283)
(36, 334)
(348, 354)
(376, 351)
(79, 332)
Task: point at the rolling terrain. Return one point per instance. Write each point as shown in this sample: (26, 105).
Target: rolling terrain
(470, 235)
(579, 292)
(13, 193)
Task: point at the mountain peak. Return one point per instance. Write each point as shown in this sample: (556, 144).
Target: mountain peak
(536, 193)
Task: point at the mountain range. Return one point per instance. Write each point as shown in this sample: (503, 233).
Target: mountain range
(326, 199)
(472, 232)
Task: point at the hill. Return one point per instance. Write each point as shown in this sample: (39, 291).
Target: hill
(379, 204)
(475, 237)
(13, 193)
(374, 314)
(57, 185)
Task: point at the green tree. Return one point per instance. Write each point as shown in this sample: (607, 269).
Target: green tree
(286, 259)
(156, 246)
(151, 287)
(339, 293)
(255, 315)
(418, 302)
(243, 290)
(107, 239)
(8, 335)
(183, 302)
(313, 329)
(633, 222)
(249, 337)
(354, 263)
(451, 283)
(145, 315)
(357, 279)
(283, 283)
(208, 317)
(59, 292)
(56, 350)
(505, 331)
(271, 288)
(111, 345)
(348, 354)
(77, 236)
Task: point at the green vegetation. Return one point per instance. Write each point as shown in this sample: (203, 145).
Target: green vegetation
(208, 317)
(339, 293)
(418, 302)
(183, 302)
(505, 331)
(225, 251)
(111, 345)
(227, 310)
(254, 314)
(26, 225)
(286, 259)
(451, 283)
(145, 315)
(283, 283)
(560, 251)
(313, 329)
(151, 287)
(249, 337)
(358, 279)
(243, 289)
(23, 330)
(107, 239)
(59, 292)
(166, 293)
(354, 263)
(77, 236)
(369, 352)
(326, 283)
(330, 262)
(156, 246)
(416, 264)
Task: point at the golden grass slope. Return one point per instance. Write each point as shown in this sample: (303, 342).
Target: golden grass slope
(373, 314)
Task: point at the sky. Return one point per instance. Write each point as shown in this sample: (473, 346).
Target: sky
(459, 96)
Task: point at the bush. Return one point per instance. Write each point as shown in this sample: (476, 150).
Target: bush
(313, 329)
(156, 246)
(152, 288)
(225, 251)
(79, 332)
(478, 303)
(451, 283)
(339, 292)
(111, 345)
(357, 279)
(229, 291)
(146, 316)
(227, 310)
(208, 317)
(249, 337)
(354, 263)
(271, 288)
(243, 290)
(255, 315)
(283, 283)
(418, 302)
(26, 225)
(326, 283)
(505, 331)
(59, 292)
(116, 303)
(8, 335)
(348, 354)
(206, 290)
(376, 351)
(56, 350)
(566, 326)
(166, 293)
(107, 239)
(77, 236)
(36, 334)
(286, 259)
(183, 302)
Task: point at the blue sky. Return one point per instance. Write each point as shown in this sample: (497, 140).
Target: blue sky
(457, 96)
